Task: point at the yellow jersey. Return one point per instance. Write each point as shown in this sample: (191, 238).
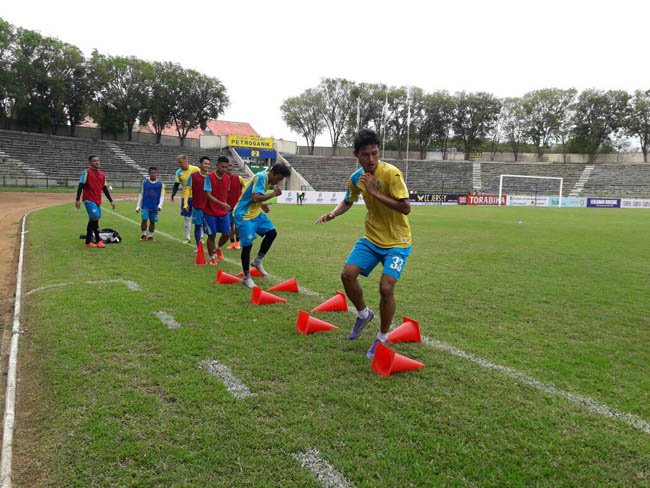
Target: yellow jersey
(182, 178)
(385, 227)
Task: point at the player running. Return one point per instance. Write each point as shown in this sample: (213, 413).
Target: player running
(216, 215)
(150, 200)
(92, 183)
(183, 174)
(251, 220)
(387, 239)
(236, 185)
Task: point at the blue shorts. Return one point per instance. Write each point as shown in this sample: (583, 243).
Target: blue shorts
(367, 255)
(150, 215)
(213, 224)
(188, 212)
(260, 225)
(94, 210)
(197, 216)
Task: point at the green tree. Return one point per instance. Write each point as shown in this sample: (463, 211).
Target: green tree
(476, 114)
(123, 89)
(546, 112)
(638, 121)
(7, 74)
(164, 96)
(303, 115)
(433, 125)
(71, 89)
(598, 114)
(339, 101)
(199, 99)
(514, 124)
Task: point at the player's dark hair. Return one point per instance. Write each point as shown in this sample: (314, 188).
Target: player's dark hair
(90, 158)
(203, 158)
(152, 168)
(222, 159)
(280, 169)
(366, 137)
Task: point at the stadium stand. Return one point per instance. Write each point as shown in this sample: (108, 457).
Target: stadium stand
(59, 158)
(618, 181)
(490, 173)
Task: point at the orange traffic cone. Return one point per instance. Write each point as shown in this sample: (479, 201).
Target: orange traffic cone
(305, 324)
(409, 331)
(289, 285)
(226, 279)
(335, 304)
(200, 255)
(387, 361)
(261, 297)
(253, 271)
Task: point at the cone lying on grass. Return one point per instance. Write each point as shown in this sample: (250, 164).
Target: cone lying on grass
(200, 255)
(409, 331)
(226, 279)
(289, 285)
(337, 303)
(253, 271)
(261, 297)
(306, 324)
(387, 361)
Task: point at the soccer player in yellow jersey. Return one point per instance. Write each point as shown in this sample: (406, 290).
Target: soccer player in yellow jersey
(183, 174)
(387, 239)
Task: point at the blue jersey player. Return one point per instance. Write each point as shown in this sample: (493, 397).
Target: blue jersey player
(150, 201)
(251, 220)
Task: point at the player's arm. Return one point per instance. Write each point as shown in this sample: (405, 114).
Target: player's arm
(175, 189)
(108, 195)
(340, 209)
(186, 193)
(401, 205)
(162, 197)
(77, 202)
(214, 199)
(263, 197)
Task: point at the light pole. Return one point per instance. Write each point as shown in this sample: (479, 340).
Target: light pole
(408, 132)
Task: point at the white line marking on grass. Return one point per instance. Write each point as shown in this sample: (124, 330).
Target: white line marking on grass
(302, 289)
(324, 472)
(131, 285)
(588, 403)
(167, 319)
(231, 382)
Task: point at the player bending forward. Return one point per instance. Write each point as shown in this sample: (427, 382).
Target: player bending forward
(250, 220)
(387, 239)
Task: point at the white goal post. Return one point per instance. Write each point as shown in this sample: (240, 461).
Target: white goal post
(529, 177)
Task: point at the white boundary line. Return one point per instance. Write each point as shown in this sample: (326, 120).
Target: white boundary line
(590, 404)
(167, 319)
(327, 476)
(236, 388)
(131, 285)
(10, 392)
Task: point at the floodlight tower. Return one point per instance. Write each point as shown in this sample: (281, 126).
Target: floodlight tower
(409, 100)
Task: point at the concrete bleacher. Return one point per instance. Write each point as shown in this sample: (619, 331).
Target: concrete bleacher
(618, 181)
(490, 173)
(62, 159)
(332, 173)
(164, 157)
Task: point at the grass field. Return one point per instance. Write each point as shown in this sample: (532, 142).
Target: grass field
(110, 396)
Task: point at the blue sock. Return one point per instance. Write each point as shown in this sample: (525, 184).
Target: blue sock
(197, 234)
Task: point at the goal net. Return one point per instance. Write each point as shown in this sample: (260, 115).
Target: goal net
(529, 190)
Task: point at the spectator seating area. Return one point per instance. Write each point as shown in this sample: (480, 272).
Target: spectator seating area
(62, 159)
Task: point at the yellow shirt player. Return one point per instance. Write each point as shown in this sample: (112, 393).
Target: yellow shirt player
(183, 175)
(387, 239)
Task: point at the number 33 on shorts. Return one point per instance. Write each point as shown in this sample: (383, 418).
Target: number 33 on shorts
(397, 263)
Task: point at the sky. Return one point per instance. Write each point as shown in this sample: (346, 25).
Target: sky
(267, 51)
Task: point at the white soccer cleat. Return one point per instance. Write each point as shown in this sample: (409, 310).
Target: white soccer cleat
(248, 281)
(260, 267)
